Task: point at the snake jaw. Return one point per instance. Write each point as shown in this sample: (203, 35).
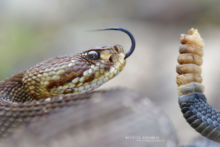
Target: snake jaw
(74, 74)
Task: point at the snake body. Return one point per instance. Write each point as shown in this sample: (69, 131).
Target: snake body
(57, 82)
(197, 112)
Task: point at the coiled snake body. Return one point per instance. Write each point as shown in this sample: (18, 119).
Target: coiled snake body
(57, 82)
(198, 113)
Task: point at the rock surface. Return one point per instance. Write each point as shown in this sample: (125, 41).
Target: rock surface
(117, 117)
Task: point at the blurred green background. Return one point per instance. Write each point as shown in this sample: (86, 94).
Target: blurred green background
(32, 31)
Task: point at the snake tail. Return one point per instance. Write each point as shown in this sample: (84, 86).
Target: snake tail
(197, 112)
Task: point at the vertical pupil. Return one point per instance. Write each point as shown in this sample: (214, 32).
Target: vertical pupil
(93, 55)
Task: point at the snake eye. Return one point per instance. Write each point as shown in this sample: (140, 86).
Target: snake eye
(93, 55)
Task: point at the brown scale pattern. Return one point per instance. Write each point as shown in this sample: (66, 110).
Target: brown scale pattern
(43, 88)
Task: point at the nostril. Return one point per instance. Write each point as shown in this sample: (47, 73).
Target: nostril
(111, 59)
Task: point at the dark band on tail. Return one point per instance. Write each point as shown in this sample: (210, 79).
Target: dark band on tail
(200, 115)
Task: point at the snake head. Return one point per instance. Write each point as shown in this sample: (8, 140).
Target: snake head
(76, 74)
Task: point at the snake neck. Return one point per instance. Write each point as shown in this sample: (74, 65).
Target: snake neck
(13, 89)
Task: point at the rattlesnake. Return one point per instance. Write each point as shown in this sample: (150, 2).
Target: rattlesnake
(57, 82)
